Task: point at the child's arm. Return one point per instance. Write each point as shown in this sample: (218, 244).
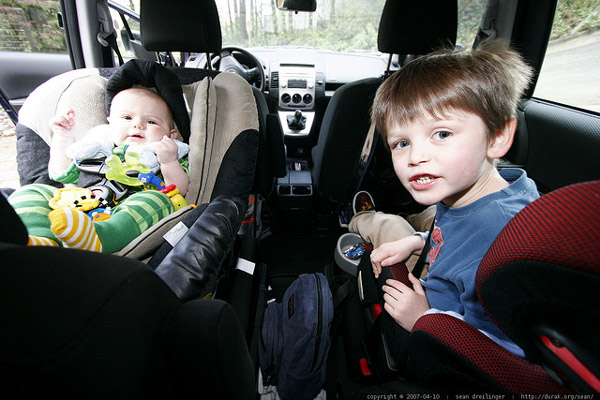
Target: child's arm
(63, 134)
(166, 152)
(394, 252)
(403, 303)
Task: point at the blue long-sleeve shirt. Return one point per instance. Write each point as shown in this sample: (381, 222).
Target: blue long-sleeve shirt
(459, 241)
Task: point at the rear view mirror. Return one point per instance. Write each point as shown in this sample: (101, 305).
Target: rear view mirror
(297, 5)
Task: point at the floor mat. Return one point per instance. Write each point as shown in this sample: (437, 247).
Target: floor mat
(297, 254)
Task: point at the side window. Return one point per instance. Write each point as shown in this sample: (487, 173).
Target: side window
(570, 72)
(26, 26)
(31, 26)
(125, 17)
(470, 13)
(128, 28)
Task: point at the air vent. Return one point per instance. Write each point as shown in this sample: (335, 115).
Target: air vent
(275, 79)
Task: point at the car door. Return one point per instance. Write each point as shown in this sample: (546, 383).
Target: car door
(559, 123)
(40, 39)
(32, 47)
(32, 50)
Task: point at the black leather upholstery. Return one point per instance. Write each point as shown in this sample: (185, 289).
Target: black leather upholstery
(417, 27)
(198, 28)
(78, 324)
(86, 325)
(193, 267)
(343, 132)
(12, 230)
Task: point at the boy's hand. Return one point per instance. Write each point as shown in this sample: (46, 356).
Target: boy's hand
(64, 124)
(165, 149)
(404, 304)
(394, 252)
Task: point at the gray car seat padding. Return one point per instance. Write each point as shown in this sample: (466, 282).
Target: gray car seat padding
(215, 129)
(80, 89)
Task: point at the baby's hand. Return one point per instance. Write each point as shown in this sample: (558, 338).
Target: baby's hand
(64, 124)
(165, 149)
(63, 135)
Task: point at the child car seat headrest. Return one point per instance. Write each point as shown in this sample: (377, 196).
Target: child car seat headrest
(150, 74)
(417, 27)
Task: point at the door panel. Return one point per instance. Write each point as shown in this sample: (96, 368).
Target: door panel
(563, 144)
(22, 72)
(32, 46)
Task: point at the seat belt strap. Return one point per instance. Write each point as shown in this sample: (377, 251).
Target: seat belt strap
(418, 269)
(112, 42)
(107, 36)
(363, 162)
(367, 147)
(10, 111)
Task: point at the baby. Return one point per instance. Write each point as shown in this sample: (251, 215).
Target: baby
(138, 116)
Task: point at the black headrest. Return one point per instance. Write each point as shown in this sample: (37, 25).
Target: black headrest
(189, 25)
(417, 27)
(150, 74)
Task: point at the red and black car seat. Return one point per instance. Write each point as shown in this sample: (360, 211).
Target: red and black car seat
(539, 282)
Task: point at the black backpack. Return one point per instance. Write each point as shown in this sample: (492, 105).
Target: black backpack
(295, 338)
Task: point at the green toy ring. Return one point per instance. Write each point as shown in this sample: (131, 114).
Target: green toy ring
(118, 171)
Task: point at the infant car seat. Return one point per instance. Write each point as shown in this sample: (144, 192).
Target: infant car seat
(539, 282)
(223, 126)
(222, 152)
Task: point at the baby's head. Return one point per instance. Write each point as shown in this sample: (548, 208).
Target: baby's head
(487, 81)
(139, 116)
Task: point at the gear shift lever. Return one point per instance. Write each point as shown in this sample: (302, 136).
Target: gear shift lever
(296, 122)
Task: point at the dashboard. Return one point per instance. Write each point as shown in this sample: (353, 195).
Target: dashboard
(298, 78)
(298, 83)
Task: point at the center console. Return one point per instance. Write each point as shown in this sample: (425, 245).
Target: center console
(295, 198)
(298, 180)
(296, 87)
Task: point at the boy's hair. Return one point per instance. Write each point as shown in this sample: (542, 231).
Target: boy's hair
(487, 81)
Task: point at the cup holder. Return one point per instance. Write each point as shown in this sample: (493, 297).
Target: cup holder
(346, 241)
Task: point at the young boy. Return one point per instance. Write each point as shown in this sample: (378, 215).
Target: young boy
(138, 116)
(447, 118)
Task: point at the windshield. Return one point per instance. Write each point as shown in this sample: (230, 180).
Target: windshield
(338, 25)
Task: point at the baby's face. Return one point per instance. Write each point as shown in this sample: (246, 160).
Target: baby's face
(139, 116)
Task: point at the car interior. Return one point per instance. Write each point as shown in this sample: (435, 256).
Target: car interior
(281, 140)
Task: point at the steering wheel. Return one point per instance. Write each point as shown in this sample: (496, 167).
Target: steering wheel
(255, 75)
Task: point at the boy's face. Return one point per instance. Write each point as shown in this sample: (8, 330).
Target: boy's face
(443, 159)
(138, 116)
